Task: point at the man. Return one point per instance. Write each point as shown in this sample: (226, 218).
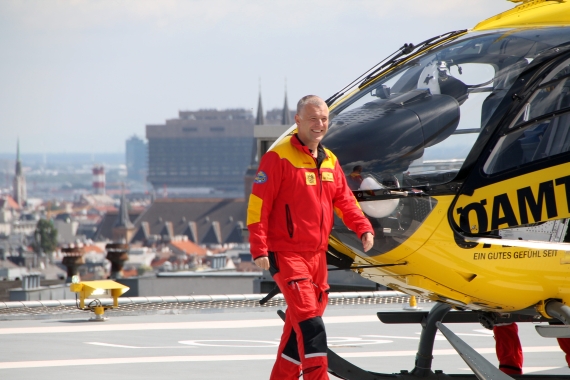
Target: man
(509, 349)
(354, 179)
(290, 217)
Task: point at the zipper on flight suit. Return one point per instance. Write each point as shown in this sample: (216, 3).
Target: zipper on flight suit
(320, 180)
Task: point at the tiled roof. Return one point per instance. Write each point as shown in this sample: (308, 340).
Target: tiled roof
(9, 203)
(105, 227)
(188, 247)
(93, 248)
(204, 221)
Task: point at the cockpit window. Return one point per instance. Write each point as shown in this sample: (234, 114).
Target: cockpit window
(534, 134)
(414, 126)
(418, 123)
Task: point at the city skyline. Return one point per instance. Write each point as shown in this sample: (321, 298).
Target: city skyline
(84, 76)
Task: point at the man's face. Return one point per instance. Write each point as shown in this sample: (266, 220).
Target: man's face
(312, 124)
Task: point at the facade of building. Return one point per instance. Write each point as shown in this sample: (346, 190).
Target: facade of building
(20, 193)
(266, 131)
(201, 149)
(136, 159)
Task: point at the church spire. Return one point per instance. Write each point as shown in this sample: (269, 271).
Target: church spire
(19, 183)
(18, 162)
(260, 119)
(123, 219)
(286, 116)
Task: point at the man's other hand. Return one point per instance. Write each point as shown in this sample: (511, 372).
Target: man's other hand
(263, 262)
(367, 241)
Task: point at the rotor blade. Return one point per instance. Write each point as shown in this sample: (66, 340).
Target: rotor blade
(480, 366)
(521, 243)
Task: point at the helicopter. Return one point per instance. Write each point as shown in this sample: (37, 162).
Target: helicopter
(464, 145)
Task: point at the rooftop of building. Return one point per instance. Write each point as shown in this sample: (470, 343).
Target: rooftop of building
(204, 221)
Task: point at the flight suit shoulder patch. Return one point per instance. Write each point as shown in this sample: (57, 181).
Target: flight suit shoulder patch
(327, 177)
(311, 178)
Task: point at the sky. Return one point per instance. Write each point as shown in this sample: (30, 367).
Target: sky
(82, 76)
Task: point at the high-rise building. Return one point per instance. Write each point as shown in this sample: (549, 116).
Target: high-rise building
(205, 148)
(20, 193)
(136, 159)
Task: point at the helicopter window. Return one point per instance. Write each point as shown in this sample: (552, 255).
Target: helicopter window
(382, 91)
(413, 123)
(537, 141)
(550, 97)
(420, 122)
(474, 75)
(543, 137)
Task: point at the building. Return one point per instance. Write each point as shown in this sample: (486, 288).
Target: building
(123, 228)
(104, 231)
(201, 149)
(208, 222)
(266, 131)
(20, 194)
(9, 213)
(136, 159)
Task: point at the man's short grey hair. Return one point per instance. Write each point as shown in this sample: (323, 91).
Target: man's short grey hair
(309, 99)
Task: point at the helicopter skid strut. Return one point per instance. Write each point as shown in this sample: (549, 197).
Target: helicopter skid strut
(431, 322)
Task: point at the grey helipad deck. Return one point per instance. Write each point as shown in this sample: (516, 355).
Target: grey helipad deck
(227, 343)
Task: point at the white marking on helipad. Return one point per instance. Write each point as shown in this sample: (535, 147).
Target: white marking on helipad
(526, 370)
(124, 346)
(332, 342)
(392, 337)
(468, 334)
(145, 359)
(225, 358)
(484, 331)
(252, 323)
(230, 343)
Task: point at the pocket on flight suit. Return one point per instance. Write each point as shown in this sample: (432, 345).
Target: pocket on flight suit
(307, 295)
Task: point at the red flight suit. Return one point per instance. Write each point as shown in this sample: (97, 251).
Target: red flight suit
(509, 349)
(289, 218)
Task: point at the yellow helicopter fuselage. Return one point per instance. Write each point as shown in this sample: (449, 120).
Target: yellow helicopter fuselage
(507, 83)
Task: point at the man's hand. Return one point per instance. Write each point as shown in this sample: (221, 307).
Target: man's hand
(263, 262)
(367, 241)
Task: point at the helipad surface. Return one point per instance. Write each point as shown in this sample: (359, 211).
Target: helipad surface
(229, 343)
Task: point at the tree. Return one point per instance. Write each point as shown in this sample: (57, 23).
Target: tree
(46, 237)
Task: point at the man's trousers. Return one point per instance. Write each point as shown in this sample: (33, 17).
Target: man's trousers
(509, 349)
(302, 278)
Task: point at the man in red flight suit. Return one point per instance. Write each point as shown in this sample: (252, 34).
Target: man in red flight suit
(290, 216)
(509, 350)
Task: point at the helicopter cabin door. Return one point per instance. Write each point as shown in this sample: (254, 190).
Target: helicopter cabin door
(522, 175)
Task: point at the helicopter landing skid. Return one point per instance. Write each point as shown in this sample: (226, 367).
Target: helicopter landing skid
(431, 322)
